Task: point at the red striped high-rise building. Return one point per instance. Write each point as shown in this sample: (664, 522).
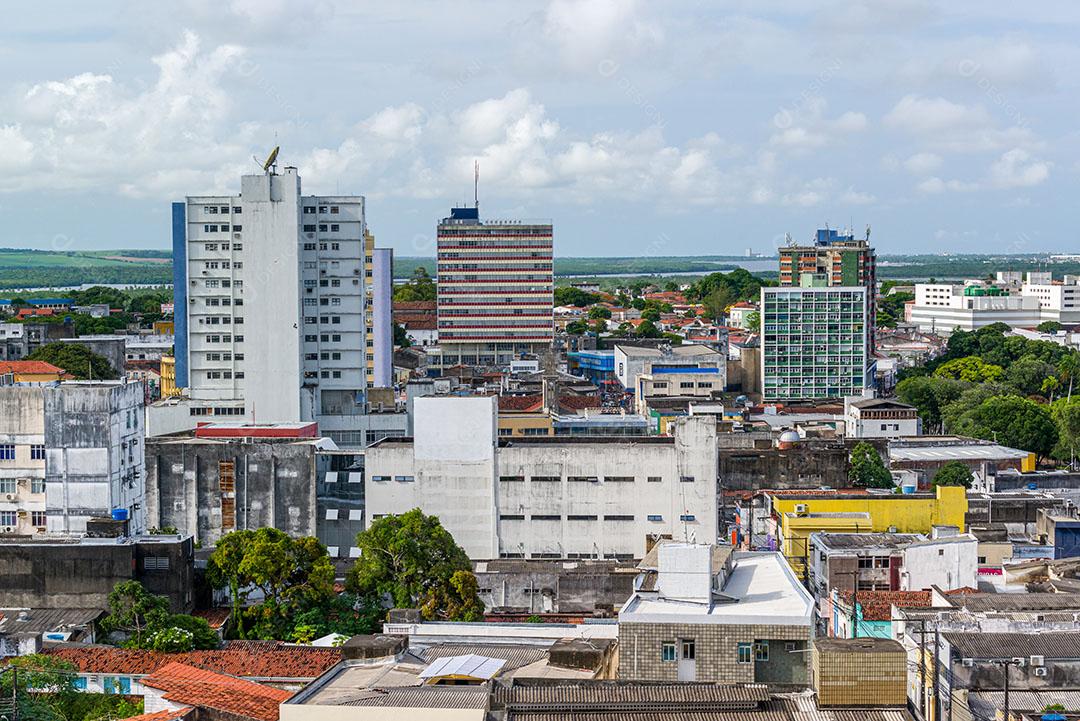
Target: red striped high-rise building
(495, 289)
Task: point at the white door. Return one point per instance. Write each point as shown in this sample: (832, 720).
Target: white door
(687, 667)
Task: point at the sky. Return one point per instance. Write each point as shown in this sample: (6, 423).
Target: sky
(638, 128)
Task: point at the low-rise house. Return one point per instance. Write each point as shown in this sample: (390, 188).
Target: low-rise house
(25, 631)
(178, 691)
(880, 418)
(32, 371)
(708, 613)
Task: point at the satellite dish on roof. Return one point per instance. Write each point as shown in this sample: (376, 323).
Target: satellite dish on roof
(271, 160)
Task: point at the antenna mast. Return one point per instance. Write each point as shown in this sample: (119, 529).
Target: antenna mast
(476, 183)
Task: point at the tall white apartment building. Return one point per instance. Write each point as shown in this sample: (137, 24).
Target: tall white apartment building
(282, 306)
(69, 452)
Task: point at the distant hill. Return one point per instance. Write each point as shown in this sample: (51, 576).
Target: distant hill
(20, 268)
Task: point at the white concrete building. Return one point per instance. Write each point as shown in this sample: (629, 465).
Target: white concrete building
(945, 307)
(879, 418)
(546, 497)
(632, 361)
(69, 452)
(282, 306)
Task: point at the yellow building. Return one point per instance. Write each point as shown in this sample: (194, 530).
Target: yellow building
(164, 327)
(168, 377)
(525, 424)
(798, 515)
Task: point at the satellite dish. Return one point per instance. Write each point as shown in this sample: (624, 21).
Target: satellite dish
(272, 159)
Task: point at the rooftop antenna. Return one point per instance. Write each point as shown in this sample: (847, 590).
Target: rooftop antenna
(476, 183)
(867, 232)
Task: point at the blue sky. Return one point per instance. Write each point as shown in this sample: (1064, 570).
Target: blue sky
(639, 128)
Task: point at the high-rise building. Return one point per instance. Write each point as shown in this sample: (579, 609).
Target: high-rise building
(282, 307)
(495, 287)
(835, 259)
(814, 343)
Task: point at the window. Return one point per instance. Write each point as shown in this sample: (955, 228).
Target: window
(512, 479)
(309, 246)
(37, 485)
(404, 479)
(618, 518)
(687, 517)
(745, 653)
(7, 452)
(333, 210)
(688, 649)
(511, 517)
(309, 229)
(333, 229)
(331, 514)
(618, 479)
(8, 485)
(982, 559)
(309, 210)
(322, 229)
(667, 652)
(655, 517)
(655, 479)
(546, 479)
(237, 209)
(37, 453)
(761, 651)
(546, 517)
(686, 384)
(686, 479)
(380, 478)
(7, 518)
(581, 518)
(582, 479)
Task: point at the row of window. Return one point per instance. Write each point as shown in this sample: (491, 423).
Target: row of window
(224, 301)
(222, 320)
(9, 519)
(331, 319)
(322, 356)
(224, 246)
(224, 338)
(213, 209)
(745, 652)
(219, 411)
(227, 375)
(333, 514)
(402, 479)
(223, 228)
(323, 227)
(226, 356)
(222, 283)
(309, 283)
(7, 452)
(587, 479)
(308, 375)
(310, 209)
(324, 338)
(224, 264)
(323, 301)
(575, 556)
(581, 517)
(11, 485)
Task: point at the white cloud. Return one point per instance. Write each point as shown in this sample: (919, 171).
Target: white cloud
(923, 163)
(598, 35)
(935, 185)
(805, 127)
(89, 131)
(955, 127)
(1016, 168)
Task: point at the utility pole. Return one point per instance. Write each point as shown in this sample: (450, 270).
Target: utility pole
(922, 669)
(854, 601)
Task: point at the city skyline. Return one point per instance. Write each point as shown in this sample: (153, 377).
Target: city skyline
(690, 131)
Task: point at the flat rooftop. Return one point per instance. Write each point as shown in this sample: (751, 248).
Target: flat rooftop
(766, 589)
(866, 540)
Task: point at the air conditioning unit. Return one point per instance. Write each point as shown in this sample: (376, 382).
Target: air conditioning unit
(1037, 661)
(1040, 671)
(9, 529)
(1019, 662)
(967, 662)
(10, 496)
(800, 508)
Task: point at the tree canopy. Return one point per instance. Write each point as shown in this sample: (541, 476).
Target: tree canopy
(420, 286)
(146, 618)
(415, 562)
(953, 473)
(1012, 421)
(867, 470)
(78, 360)
(569, 295)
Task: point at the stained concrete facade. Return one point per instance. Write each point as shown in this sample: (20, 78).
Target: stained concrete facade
(69, 573)
(546, 498)
(85, 440)
(209, 487)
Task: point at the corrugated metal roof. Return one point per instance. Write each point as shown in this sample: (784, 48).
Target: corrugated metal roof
(1013, 645)
(991, 701)
(613, 696)
(37, 620)
(469, 665)
(1016, 601)
(475, 697)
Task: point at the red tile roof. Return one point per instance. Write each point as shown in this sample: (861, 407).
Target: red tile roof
(428, 305)
(197, 687)
(877, 605)
(165, 715)
(250, 659)
(216, 617)
(521, 404)
(34, 367)
(578, 403)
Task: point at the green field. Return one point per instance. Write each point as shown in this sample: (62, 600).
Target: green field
(43, 268)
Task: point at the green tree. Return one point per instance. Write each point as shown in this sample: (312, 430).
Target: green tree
(638, 304)
(953, 473)
(1068, 369)
(1012, 421)
(224, 571)
(753, 321)
(647, 329)
(420, 287)
(26, 676)
(401, 338)
(866, 469)
(1049, 326)
(599, 311)
(1028, 374)
(76, 359)
(414, 561)
(652, 314)
(569, 295)
(930, 396)
(1066, 415)
(577, 327)
(344, 614)
(134, 610)
(971, 368)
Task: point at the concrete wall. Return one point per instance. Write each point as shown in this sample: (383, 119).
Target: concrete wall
(22, 424)
(274, 486)
(551, 499)
(809, 464)
(553, 586)
(111, 349)
(947, 564)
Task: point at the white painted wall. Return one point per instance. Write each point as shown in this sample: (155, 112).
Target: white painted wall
(947, 564)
